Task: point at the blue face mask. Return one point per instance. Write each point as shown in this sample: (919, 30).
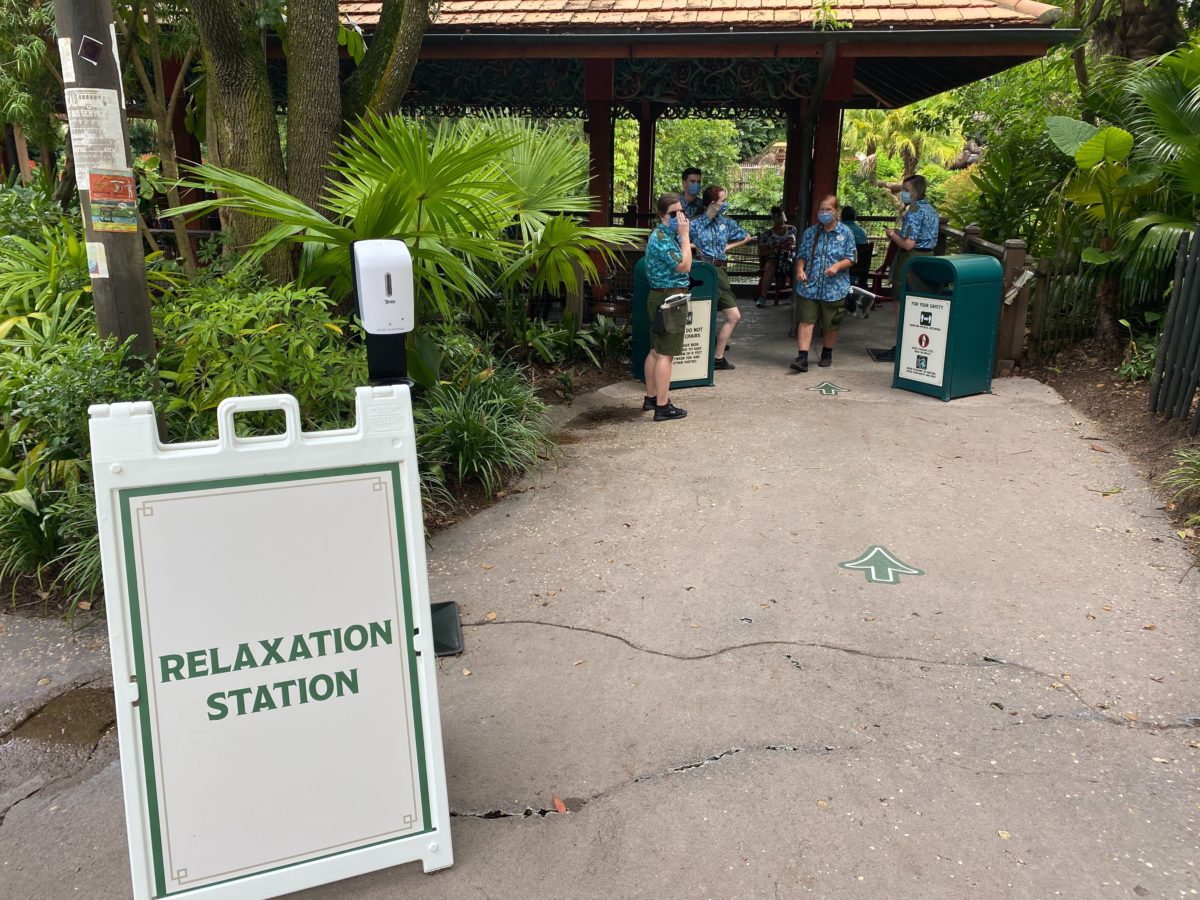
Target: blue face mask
(824, 217)
(905, 197)
(673, 225)
(723, 207)
(693, 188)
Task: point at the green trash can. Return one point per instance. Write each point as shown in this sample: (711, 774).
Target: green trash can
(694, 366)
(946, 333)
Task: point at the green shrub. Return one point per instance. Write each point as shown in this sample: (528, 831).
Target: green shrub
(1184, 479)
(612, 339)
(218, 341)
(482, 427)
(25, 211)
(54, 400)
(1140, 351)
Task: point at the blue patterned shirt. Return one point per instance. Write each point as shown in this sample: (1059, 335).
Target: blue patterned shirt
(712, 235)
(663, 254)
(693, 207)
(920, 224)
(831, 247)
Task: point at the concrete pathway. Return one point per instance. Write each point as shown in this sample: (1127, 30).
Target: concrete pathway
(678, 653)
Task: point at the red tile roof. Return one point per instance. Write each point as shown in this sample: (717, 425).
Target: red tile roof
(672, 15)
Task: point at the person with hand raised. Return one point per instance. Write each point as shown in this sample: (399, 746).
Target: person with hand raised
(668, 262)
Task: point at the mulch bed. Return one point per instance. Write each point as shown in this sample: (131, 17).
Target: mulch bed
(1084, 376)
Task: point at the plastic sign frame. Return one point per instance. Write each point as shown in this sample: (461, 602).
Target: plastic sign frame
(272, 649)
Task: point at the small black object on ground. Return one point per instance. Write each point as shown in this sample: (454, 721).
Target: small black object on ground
(447, 630)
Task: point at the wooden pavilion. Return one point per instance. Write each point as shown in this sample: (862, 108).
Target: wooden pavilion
(600, 59)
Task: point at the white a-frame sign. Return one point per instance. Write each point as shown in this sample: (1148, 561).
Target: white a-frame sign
(272, 650)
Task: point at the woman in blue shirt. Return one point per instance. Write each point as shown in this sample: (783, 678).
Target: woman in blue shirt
(824, 258)
(714, 235)
(668, 261)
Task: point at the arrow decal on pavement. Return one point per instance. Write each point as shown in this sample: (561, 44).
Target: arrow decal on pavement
(880, 566)
(829, 390)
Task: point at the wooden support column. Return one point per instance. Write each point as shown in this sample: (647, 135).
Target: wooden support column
(826, 151)
(598, 96)
(647, 130)
(798, 152)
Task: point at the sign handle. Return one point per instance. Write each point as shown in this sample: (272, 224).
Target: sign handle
(231, 406)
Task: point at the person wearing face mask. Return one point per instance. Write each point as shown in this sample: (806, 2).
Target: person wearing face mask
(824, 258)
(668, 262)
(693, 205)
(918, 231)
(714, 234)
(917, 235)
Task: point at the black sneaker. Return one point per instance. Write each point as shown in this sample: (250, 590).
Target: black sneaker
(668, 412)
(826, 360)
(722, 363)
(648, 404)
(800, 363)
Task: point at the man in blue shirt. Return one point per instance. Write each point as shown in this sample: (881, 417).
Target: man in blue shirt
(917, 235)
(714, 234)
(689, 197)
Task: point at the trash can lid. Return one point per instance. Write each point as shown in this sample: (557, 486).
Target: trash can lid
(960, 268)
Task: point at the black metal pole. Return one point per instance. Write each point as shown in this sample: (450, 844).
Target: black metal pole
(95, 104)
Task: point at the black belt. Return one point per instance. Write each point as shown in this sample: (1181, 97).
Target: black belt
(919, 250)
(715, 262)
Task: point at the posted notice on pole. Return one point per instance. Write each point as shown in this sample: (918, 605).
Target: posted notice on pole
(692, 362)
(97, 139)
(272, 622)
(923, 339)
(113, 200)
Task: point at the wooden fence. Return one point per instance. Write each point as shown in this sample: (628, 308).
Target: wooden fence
(1177, 366)
(1016, 287)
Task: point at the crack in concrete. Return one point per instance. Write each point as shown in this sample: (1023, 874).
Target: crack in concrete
(982, 662)
(574, 804)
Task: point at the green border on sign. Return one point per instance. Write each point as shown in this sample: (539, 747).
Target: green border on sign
(125, 498)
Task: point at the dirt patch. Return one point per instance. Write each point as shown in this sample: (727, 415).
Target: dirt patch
(583, 379)
(604, 415)
(1084, 376)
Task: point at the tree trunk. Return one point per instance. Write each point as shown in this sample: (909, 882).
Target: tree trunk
(314, 96)
(1142, 29)
(1106, 302)
(245, 111)
(379, 83)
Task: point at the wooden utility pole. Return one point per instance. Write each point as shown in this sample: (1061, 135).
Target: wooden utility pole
(87, 45)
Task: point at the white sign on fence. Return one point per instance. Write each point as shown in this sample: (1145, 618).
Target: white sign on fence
(272, 650)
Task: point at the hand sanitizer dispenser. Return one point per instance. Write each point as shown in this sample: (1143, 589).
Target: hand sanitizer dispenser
(383, 282)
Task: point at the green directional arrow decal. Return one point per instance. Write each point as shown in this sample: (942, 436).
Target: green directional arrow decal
(829, 390)
(881, 566)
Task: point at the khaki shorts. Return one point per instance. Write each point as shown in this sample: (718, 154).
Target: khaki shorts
(671, 343)
(725, 298)
(829, 312)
